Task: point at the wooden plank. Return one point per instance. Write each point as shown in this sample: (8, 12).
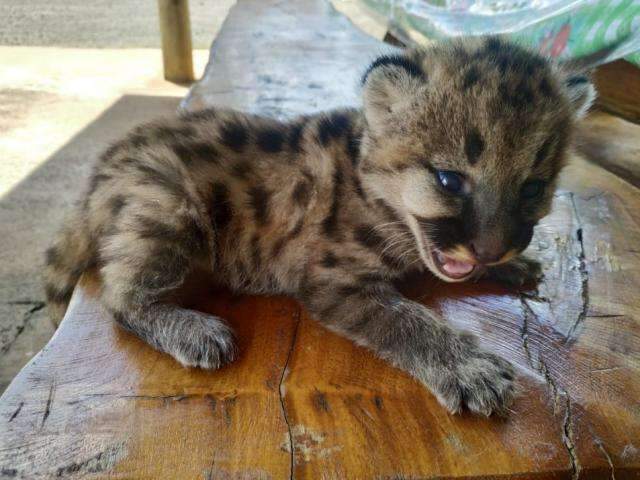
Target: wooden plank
(175, 30)
(301, 402)
(621, 157)
(257, 65)
(98, 400)
(618, 85)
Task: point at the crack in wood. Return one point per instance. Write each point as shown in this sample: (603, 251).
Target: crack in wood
(567, 439)
(26, 318)
(47, 410)
(606, 455)
(557, 393)
(584, 274)
(16, 413)
(282, 393)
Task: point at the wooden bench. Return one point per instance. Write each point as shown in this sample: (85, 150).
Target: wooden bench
(302, 402)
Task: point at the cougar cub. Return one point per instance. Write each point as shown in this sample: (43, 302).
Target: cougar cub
(448, 164)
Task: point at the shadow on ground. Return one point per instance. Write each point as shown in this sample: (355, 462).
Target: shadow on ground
(31, 213)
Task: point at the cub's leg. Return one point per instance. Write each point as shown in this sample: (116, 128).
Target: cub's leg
(411, 337)
(146, 257)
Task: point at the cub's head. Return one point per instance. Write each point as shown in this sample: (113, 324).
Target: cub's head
(466, 139)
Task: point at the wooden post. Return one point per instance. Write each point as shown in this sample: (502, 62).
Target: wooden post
(175, 30)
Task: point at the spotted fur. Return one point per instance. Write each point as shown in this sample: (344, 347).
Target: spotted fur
(331, 207)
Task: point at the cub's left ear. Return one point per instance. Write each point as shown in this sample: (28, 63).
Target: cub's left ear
(389, 86)
(581, 92)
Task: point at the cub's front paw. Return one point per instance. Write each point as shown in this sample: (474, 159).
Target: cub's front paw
(479, 381)
(205, 342)
(517, 272)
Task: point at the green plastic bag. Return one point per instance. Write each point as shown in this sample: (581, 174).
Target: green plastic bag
(563, 29)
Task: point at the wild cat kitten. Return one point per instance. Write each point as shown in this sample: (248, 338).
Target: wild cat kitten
(448, 165)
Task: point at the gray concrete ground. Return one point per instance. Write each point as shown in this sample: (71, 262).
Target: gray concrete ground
(100, 23)
(58, 108)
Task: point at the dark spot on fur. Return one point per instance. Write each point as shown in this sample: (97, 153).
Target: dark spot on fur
(259, 200)
(330, 222)
(270, 140)
(349, 290)
(256, 254)
(545, 87)
(353, 147)
(278, 247)
(543, 152)
(204, 152)
(297, 229)
(241, 170)
(234, 135)
(332, 126)
(221, 211)
(197, 239)
(170, 180)
(138, 140)
(200, 115)
(190, 235)
(112, 150)
(52, 257)
(444, 232)
(473, 145)
(96, 181)
(357, 186)
(366, 236)
(164, 269)
(471, 77)
(57, 295)
(177, 133)
(329, 260)
(155, 229)
(116, 204)
(399, 61)
(301, 193)
(370, 278)
(493, 45)
(295, 135)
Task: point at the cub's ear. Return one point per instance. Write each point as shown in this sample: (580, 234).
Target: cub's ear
(581, 92)
(389, 86)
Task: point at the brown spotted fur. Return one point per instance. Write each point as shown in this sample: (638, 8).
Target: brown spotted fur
(330, 208)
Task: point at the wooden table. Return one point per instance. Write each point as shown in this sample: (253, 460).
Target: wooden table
(302, 402)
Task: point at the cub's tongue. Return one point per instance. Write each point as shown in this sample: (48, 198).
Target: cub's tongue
(455, 268)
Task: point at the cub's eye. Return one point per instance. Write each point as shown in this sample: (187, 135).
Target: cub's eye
(451, 181)
(532, 189)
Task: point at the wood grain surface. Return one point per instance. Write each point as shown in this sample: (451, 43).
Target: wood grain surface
(302, 402)
(618, 85)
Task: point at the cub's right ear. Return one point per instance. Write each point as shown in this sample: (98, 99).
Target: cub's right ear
(581, 93)
(389, 85)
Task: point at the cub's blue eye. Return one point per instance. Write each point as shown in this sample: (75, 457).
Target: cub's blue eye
(532, 189)
(451, 181)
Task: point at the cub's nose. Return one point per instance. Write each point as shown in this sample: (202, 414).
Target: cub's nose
(487, 250)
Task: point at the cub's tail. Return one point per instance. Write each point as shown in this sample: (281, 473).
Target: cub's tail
(70, 255)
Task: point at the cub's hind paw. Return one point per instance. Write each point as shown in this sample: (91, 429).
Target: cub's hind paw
(481, 382)
(205, 342)
(518, 272)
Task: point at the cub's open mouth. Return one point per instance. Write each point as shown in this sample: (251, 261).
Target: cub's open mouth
(450, 267)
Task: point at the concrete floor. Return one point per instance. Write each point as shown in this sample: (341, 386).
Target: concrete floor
(100, 23)
(58, 108)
